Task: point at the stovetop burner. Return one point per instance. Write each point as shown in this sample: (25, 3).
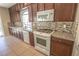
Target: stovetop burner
(45, 30)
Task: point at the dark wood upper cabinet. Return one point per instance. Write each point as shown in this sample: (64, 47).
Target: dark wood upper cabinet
(34, 7)
(18, 6)
(49, 6)
(34, 11)
(30, 12)
(40, 6)
(26, 4)
(65, 11)
(34, 16)
(21, 5)
(62, 11)
(61, 47)
(18, 17)
(14, 13)
(11, 15)
(31, 38)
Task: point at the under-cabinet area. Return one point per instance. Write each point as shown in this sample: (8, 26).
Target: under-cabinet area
(50, 28)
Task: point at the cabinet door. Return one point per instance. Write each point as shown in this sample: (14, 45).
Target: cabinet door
(49, 6)
(17, 12)
(18, 7)
(30, 13)
(40, 6)
(31, 38)
(34, 7)
(18, 17)
(60, 48)
(10, 11)
(10, 31)
(34, 16)
(13, 13)
(65, 12)
(21, 36)
(21, 5)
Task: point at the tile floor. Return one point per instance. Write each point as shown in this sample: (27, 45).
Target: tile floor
(11, 46)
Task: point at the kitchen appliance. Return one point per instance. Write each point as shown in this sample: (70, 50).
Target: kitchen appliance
(47, 15)
(26, 36)
(42, 40)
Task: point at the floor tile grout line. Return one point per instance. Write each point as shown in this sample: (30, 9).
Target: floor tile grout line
(13, 50)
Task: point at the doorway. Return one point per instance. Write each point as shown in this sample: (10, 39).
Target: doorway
(1, 28)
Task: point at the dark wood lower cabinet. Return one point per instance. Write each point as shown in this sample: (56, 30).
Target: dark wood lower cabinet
(21, 36)
(61, 47)
(31, 38)
(10, 31)
(16, 34)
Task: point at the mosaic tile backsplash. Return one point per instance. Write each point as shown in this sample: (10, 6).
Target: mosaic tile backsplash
(43, 25)
(59, 26)
(64, 26)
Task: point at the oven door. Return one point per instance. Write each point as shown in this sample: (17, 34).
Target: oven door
(42, 42)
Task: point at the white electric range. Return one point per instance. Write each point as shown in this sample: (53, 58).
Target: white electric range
(42, 40)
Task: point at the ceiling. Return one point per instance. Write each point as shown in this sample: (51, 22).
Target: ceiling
(7, 5)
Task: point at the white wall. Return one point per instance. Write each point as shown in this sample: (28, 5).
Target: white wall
(4, 13)
(1, 28)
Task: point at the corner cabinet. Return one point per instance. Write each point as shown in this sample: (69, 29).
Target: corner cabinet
(65, 11)
(61, 47)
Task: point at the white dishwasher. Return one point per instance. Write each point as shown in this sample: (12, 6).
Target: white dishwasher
(26, 36)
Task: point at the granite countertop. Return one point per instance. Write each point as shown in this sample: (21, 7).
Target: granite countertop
(14, 27)
(21, 29)
(17, 28)
(63, 35)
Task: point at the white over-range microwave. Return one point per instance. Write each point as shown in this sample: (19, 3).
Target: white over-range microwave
(47, 15)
